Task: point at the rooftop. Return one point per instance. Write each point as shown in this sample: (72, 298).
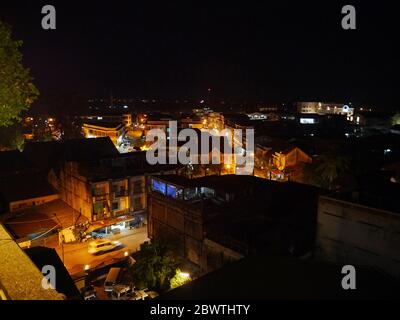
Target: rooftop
(23, 186)
(104, 124)
(42, 256)
(41, 218)
(276, 145)
(262, 277)
(255, 212)
(20, 278)
(47, 155)
(120, 166)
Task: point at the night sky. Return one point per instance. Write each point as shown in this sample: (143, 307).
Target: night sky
(242, 50)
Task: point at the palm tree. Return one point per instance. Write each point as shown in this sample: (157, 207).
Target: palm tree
(309, 175)
(330, 167)
(396, 119)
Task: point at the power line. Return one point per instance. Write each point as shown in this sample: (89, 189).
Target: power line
(33, 221)
(41, 235)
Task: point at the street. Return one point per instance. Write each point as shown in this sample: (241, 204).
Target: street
(76, 256)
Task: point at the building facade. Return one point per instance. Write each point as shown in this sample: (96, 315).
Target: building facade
(114, 130)
(324, 108)
(217, 219)
(350, 233)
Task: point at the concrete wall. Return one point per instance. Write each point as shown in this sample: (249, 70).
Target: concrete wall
(74, 189)
(349, 233)
(179, 223)
(215, 255)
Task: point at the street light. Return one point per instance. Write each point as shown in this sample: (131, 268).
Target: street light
(87, 267)
(184, 275)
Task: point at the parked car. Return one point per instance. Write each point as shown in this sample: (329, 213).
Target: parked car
(89, 293)
(98, 235)
(112, 279)
(139, 295)
(122, 292)
(102, 245)
(116, 231)
(150, 294)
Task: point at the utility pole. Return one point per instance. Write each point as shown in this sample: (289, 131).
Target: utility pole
(62, 239)
(62, 248)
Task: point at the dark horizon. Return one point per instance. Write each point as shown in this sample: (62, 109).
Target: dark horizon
(258, 51)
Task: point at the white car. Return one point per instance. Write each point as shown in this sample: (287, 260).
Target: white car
(102, 245)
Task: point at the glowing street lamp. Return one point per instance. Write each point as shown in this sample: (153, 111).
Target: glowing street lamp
(184, 275)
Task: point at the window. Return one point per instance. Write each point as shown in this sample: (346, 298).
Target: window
(137, 186)
(99, 191)
(190, 194)
(171, 191)
(98, 207)
(158, 186)
(115, 205)
(137, 204)
(307, 121)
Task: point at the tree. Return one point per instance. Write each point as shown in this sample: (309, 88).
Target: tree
(17, 91)
(309, 175)
(70, 127)
(179, 279)
(12, 137)
(328, 171)
(331, 166)
(18, 142)
(155, 266)
(396, 119)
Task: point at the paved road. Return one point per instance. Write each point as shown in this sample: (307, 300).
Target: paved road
(76, 256)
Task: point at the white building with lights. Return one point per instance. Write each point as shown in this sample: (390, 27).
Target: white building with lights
(324, 108)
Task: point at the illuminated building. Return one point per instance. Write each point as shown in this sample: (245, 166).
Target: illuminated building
(98, 129)
(279, 160)
(257, 116)
(323, 108)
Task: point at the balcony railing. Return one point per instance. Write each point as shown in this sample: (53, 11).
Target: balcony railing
(121, 193)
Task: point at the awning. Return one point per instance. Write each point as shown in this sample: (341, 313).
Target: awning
(109, 222)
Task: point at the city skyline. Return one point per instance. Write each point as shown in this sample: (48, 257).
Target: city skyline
(199, 151)
(271, 52)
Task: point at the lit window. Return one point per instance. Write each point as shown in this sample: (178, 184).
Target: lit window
(158, 186)
(171, 191)
(307, 121)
